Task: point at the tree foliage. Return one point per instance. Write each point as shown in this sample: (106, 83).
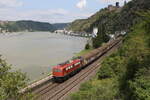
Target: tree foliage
(101, 38)
(10, 82)
(87, 46)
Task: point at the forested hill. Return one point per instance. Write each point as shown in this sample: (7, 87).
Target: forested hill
(125, 75)
(15, 26)
(60, 25)
(112, 19)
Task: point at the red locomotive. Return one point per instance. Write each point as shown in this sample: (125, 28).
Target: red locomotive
(65, 70)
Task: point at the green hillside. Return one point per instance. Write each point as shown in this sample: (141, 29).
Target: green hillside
(84, 24)
(125, 75)
(60, 25)
(14, 26)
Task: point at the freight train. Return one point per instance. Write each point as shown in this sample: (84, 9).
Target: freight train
(65, 70)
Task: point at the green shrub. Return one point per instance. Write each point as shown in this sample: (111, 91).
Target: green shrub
(105, 72)
(98, 90)
(87, 46)
(11, 82)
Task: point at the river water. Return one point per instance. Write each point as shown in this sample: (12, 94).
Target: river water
(35, 53)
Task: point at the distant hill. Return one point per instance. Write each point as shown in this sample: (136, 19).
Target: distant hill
(84, 24)
(102, 16)
(15, 26)
(60, 25)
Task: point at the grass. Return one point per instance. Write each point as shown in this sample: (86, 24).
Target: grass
(83, 52)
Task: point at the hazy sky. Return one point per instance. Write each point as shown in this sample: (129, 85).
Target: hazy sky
(53, 11)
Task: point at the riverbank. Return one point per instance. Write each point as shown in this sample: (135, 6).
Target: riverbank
(83, 52)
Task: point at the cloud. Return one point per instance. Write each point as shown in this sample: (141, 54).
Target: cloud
(81, 4)
(10, 3)
(10, 12)
(49, 15)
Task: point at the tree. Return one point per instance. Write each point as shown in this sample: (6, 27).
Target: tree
(10, 82)
(101, 38)
(87, 46)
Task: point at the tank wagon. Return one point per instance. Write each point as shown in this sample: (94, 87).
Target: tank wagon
(65, 70)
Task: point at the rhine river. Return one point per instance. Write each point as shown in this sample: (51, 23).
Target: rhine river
(35, 53)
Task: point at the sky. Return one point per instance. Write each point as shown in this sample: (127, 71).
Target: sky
(52, 11)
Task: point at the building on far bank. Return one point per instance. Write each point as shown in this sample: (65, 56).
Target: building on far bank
(113, 8)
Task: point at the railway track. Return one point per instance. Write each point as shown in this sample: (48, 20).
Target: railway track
(59, 94)
(59, 91)
(45, 89)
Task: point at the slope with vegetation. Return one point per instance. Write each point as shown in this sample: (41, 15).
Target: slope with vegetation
(125, 75)
(84, 24)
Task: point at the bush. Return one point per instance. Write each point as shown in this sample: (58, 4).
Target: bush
(105, 72)
(101, 37)
(98, 90)
(10, 82)
(87, 46)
